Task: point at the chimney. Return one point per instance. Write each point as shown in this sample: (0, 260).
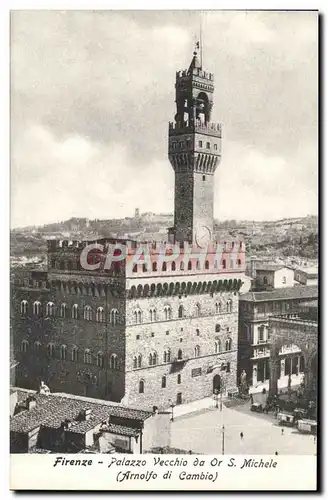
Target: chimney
(31, 403)
(85, 414)
(66, 424)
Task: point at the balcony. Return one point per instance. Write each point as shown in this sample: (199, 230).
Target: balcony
(261, 353)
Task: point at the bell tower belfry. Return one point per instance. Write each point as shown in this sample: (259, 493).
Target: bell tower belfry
(194, 153)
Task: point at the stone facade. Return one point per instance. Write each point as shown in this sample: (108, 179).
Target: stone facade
(149, 321)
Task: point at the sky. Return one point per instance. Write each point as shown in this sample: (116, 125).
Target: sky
(92, 93)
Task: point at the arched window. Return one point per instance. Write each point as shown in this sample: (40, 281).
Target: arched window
(100, 315)
(197, 351)
(37, 347)
(163, 382)
(217, 328)
(63, 352)
(75, 311)
(139, 360)
(100, 360)
(238, 262)
(36, 308)
(207, 265)
(164, 266)
(223, 264)
(228, 367)
(144, 268)
(218, 346)
(181, 266)
(88, 313)
(141, 386)
(51, 350)
(155, 266)
(152, 358)
(87, 357)
(189, 265)
(265, 280)
(113, 362)
(24, 346)
(167, 313)
(229, 306)
(167, 356)
(137, 315)
(173, 267)
(179, 379)
(135, 362)
(228, 344)
(179, 354)
(23, 307)
(198, 265)
(180, 312)
(50, 309)
(197, 310)
(114, 315)
(152, 314)
(75, 354)
(218, 308)
(197, 332)
(135, 268)
(63, 309)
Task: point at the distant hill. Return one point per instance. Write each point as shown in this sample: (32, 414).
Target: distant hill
(281, 238)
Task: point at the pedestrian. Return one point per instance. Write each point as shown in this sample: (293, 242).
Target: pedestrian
(282, 432)
(276, 453)
(241, 435)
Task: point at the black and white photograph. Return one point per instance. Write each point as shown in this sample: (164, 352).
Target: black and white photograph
(164, 273)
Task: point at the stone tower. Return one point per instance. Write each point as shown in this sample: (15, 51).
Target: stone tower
(194, 152)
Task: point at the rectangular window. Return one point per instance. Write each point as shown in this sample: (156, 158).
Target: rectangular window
(215, 147)
(196, 372)
(200, 144)
(208, 145)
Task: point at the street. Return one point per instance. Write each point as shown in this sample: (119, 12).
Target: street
(202, 433)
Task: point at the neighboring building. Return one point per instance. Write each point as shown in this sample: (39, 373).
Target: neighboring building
(271, 276)
(307, 275)
(298, 331)
(62, 423)
(155, 333)
(255, 309)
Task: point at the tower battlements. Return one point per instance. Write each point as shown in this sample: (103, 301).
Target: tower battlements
(195, 72)
(211, 128)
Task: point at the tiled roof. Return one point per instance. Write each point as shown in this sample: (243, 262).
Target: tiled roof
(269, 267)
(297, 292)
(52, 410)
(122, 430)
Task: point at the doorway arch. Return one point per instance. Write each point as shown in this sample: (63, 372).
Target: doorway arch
(216, 383)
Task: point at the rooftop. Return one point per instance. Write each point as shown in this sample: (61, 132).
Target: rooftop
(297, 292)
(52, 410)
(270, 267)
(309, 271)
